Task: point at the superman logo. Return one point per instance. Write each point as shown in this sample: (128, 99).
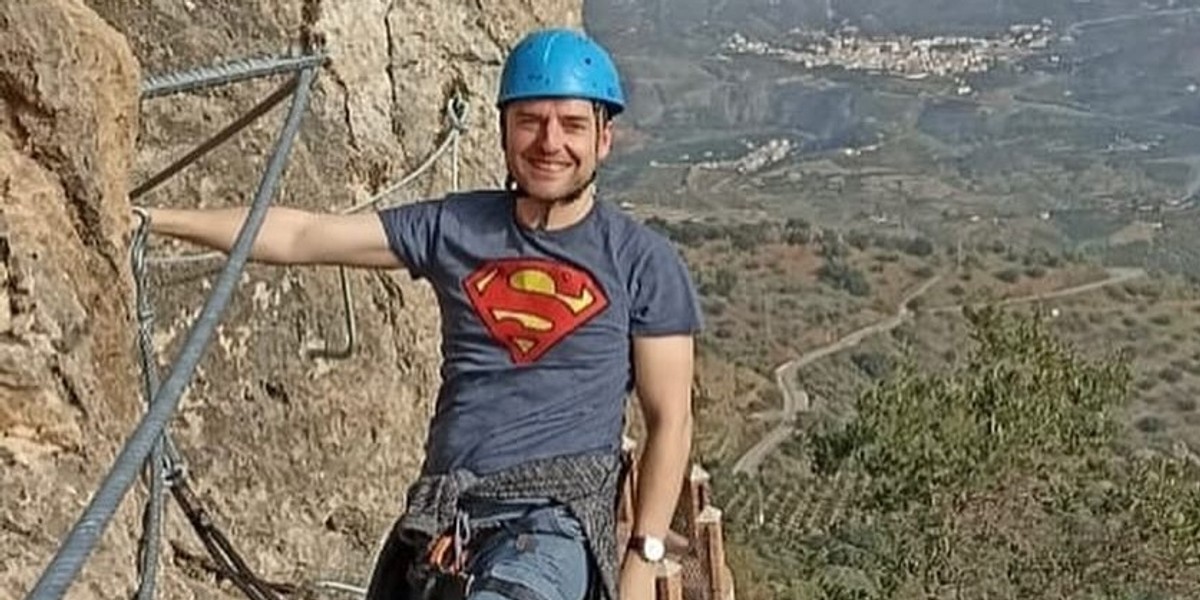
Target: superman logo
(529, 305)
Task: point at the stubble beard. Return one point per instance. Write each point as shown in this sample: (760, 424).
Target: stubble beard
(568, 198)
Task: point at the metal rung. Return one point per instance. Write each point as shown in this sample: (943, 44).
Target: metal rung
(224, 74)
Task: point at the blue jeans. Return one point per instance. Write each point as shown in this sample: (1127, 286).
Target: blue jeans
(538, 552)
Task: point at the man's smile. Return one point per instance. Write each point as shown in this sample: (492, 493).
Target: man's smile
(549, 166)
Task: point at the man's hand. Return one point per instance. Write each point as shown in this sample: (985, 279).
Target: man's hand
(637, 578)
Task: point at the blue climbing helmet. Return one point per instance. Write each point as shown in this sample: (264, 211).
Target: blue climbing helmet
(560, 63)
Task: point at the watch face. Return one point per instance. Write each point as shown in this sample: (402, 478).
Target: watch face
(653, 549)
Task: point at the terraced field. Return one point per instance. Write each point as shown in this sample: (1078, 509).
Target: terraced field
(795, 509)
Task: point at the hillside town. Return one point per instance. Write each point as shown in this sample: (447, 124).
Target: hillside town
(904, 56)
(756, 158)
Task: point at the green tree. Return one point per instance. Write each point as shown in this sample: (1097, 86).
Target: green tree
(1022, 395)
(1002, 478)
(1006, 477)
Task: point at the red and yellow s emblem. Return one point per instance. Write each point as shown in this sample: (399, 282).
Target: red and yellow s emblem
(529, 305)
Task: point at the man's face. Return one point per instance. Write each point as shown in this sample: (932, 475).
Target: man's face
(552, 147)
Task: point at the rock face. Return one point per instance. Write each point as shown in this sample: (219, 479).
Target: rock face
(68, 115)
(301, 459)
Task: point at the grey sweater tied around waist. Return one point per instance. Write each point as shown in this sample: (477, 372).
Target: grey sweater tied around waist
(587, 485)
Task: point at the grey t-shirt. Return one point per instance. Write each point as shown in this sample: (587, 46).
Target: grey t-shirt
(536, 325)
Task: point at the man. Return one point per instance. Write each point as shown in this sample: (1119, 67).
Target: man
(555, 306)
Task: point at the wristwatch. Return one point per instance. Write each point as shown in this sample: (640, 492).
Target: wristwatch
(650, 548)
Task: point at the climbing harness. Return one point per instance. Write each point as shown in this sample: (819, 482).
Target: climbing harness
(442, 574)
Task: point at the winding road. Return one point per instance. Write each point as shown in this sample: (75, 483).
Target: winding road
(796, 400)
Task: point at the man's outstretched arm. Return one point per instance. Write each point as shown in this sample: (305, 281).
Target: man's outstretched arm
(288, 236)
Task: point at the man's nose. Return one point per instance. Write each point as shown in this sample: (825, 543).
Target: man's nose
(552, 137)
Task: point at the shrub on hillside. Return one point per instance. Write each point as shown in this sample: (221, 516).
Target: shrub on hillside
(919, 246)
(861, 240)
(924, 271)
(833, 248)
(746, 237)
(1040, 257)
(797, 232)
(1170, 375)
(842, 276)
(797, 237)
(875, 365)
(1150, 424)
(1008, 275)
(721, 283)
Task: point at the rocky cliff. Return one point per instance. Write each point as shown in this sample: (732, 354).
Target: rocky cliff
(301, 459)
